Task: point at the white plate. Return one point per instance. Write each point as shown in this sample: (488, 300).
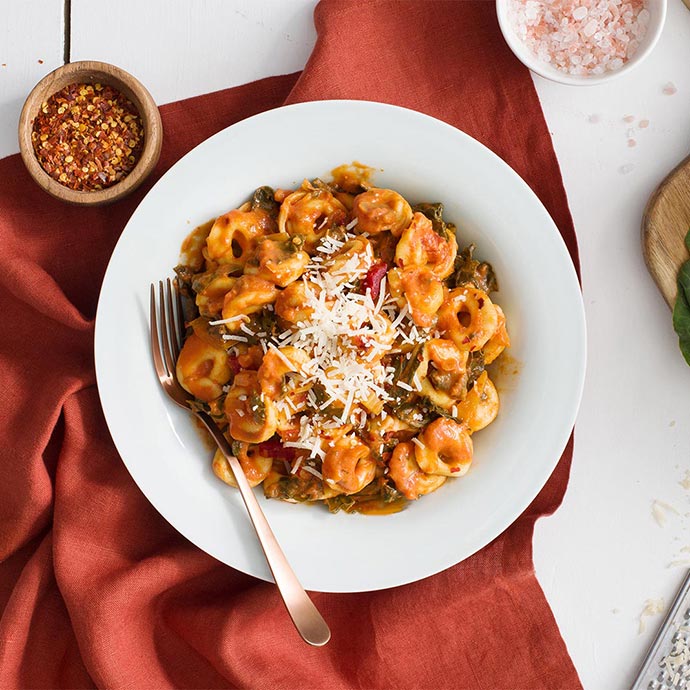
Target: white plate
(426, 160)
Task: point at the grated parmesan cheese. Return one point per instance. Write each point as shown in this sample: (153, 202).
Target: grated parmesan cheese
(652, 607)
(345, 337)
(219, 322)
(418, 443)
(313, 471)
(660, 510)
(685, 481)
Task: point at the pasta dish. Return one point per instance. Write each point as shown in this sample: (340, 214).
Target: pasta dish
(340, 339)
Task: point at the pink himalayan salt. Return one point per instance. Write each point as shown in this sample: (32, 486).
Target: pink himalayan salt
(629, 118)
(594, 118)
(631, 143)
(669, 89)
(581, 37)
(643, 124)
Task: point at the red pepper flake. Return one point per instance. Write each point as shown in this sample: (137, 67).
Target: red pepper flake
(40, 62)
(234, 364)
(273, 448)
(373, 278)
(454, 469)
(88, 136)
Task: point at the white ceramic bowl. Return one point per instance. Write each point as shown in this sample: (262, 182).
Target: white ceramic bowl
(657, 10)
(426, 160)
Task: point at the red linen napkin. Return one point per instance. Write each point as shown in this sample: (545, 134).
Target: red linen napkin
(96, 589)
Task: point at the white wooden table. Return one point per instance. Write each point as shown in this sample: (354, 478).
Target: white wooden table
(602, 554)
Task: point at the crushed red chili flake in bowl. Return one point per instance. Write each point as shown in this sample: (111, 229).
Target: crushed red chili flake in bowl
(88, 136)
(89, 133)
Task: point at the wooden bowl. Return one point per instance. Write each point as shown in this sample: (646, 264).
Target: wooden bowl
(91, 72)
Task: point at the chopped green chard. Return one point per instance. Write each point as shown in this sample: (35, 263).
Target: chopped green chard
(469, 270)
(681, 310)
(378, 497)
(263, 198)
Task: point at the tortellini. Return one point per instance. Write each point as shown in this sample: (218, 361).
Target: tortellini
(378, 210)
(251, 415)
(310, 213)
(202, 369)
(234, 235)
(468, 317)
(340, 341)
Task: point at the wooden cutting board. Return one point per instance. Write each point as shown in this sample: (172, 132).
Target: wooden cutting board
(665, 223)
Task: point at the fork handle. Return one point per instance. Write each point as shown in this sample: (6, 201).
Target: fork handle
(308, 621)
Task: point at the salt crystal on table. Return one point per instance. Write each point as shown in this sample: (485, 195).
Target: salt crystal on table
(625, 169)
(643, 124)
(669, 89)
(630, 133)
(631, 143)
(629, 118)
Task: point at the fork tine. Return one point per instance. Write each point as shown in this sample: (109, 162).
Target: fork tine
(172, 322)
(181, 330)
(167, 353)
(155, 343)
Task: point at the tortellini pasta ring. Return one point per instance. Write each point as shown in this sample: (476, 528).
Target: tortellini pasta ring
(202, 369)
(310, 212)
(211, 289)
(348, 466)
(408, 477)
(420, 245)
(443, 372)
(278, 259)
(256, 466)
(354, 256)
(468, 317)
(251, 415)
(480, 407)
(278, 362)
(292, 304)
(499, 341)
(421, 290)
(377, 210)
(248, 295)
(444, 447)
(234, 235)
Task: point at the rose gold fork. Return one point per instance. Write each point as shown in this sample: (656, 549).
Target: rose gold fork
(165, 347)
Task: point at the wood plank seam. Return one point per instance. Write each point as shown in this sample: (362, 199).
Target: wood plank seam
(66, 31)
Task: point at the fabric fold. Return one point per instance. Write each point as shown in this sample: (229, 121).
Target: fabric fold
(96, 589)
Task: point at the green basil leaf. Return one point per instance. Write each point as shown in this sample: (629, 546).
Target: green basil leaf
(681, 310)
(687, 240)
